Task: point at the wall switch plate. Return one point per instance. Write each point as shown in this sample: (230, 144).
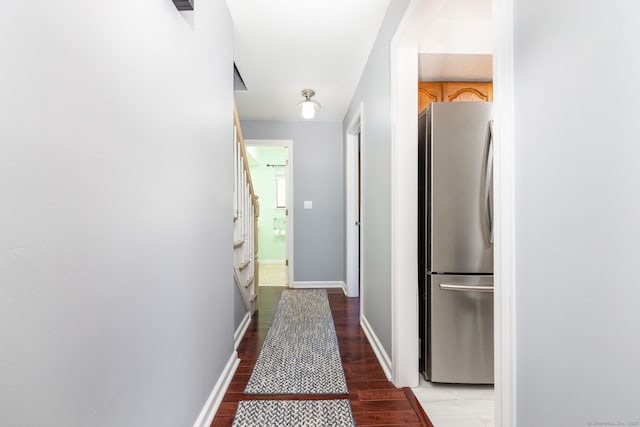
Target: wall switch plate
(308, 204)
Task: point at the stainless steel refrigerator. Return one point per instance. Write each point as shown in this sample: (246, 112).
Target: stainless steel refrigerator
(456, 242)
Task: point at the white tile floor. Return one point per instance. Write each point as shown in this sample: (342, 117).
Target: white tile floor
(454, 405)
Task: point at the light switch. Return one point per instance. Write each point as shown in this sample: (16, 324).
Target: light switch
(308, 204)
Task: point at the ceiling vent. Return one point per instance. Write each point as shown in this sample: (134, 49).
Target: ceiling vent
(184, 4)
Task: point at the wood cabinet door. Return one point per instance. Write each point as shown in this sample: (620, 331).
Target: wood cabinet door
(467, 91)
(428, 92)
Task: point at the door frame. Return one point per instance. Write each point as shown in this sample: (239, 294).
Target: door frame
(405, 351)
(504, 207)
(288, 144)
(354, 242)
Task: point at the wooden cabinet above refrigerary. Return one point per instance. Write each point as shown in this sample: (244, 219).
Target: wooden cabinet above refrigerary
(429, 92)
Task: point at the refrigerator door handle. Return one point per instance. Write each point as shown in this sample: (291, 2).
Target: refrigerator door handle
(465, 288)
(488, 173)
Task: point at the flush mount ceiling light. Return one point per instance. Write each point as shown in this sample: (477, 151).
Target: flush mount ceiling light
(308, 109)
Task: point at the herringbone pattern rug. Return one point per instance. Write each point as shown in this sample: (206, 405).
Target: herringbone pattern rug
(309, 413)
(300, 353)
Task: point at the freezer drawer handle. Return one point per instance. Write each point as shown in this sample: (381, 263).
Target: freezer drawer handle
(467, 288)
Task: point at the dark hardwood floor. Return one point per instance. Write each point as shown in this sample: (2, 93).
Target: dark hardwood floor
(374, 400)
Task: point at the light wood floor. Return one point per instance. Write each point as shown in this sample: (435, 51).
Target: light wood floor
(374, 400)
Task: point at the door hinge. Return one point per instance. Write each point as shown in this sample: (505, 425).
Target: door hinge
(286, 262)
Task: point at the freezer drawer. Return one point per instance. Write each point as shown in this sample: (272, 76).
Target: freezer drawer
(460, 329)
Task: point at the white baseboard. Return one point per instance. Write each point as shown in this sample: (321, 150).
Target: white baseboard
(217, 394)
(242, 328)
(304, 285)
(383, 357)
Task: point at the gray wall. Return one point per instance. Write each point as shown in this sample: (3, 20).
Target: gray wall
(115, 199)
(375, 92)
(317, 176)
(577, 213)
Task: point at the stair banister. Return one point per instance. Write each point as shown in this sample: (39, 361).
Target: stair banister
(245, 218)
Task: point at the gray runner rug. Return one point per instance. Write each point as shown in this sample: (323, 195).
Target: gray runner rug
(300, 353)
(311, 413)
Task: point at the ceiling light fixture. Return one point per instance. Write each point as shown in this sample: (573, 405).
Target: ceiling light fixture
(308, 109)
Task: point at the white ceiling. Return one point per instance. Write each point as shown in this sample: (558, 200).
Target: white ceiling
(284, 46)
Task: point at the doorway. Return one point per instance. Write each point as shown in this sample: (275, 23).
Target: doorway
(271, 173)
(354, 217)
(404, 64)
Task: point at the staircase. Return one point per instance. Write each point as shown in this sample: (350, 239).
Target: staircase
(245, 223)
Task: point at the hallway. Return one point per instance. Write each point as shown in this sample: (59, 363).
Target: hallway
(374, 400)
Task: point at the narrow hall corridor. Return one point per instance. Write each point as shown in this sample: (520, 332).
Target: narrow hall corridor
(374, 400)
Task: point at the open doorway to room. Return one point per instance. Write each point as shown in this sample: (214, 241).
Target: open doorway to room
(354, 145)
(433, 59)
(270, 165)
